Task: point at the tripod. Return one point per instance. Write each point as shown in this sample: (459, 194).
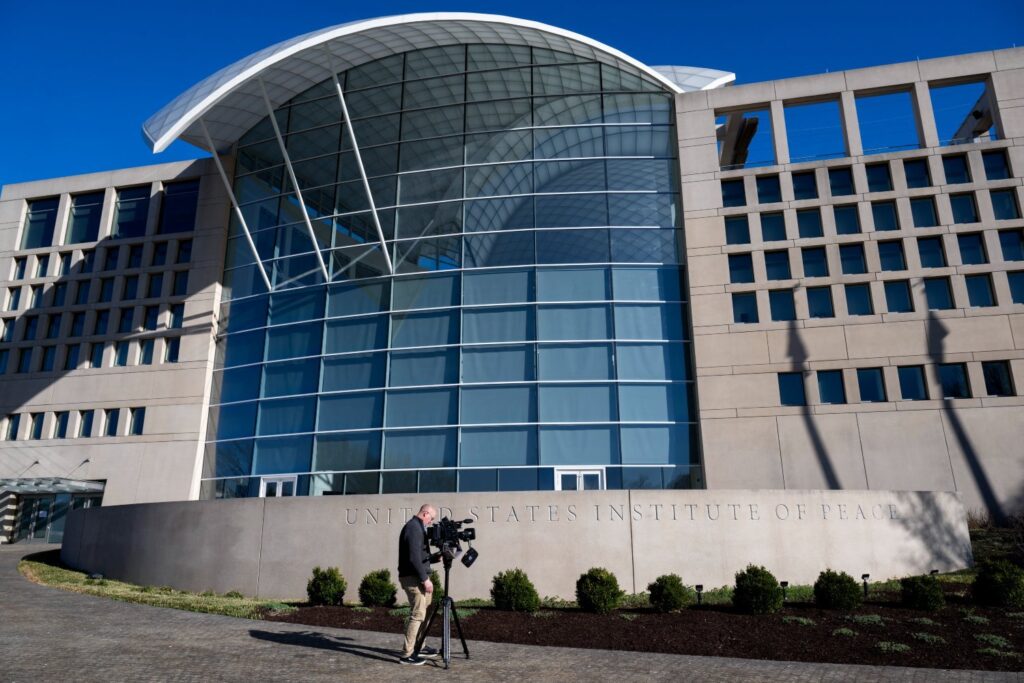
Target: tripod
(447, 607)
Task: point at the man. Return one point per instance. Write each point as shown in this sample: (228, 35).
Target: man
(414, 575)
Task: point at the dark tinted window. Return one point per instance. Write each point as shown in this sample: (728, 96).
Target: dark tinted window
(131, 212)
(840, 181)
(1016, 281)
(871, 384)
(737, 231)
(1012, 244)
(773, 227)
(847, 220)
(1004, 205)
(937, 293)
(996, 167)
(964, 209)
(805, 186)
(897, 297)
(741, 268)
(808, 222)
(819, 302)
(931, 251)
(923, 211)
(768, 190)
(912, 384)
(791, 389)
(916, 172)
(953, 378)
(890, 255)
(830, 386)
(879, 178)
(815, 262)
(781, 302)
(956, 169)
(979, 290)
(732, 193)
(39, 223)
(972, 248)
(885, 216)
(858, 300)
(744, 308)
(776, 265)
(84, 222)
(851, 258)
(178, 211)
(998, 381)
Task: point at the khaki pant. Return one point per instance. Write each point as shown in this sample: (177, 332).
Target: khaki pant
(418, 601)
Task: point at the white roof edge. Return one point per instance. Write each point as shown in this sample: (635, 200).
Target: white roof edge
(691, 78)
(160, 139)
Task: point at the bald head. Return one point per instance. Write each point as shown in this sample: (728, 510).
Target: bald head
(427, 513)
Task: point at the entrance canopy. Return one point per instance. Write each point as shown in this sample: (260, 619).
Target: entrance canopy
(231, 101)
(45, 485)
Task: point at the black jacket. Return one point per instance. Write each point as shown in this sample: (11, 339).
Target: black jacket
(413, 552)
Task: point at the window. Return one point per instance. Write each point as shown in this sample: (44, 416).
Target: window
(31, 327)
(53, 326)
(131, 288)
(180, 283)
(60, 425)
(86, 264)
(96, 355)
(135, 256)
(937, 293)
(851, 259)
(19, 268)
(840, 181)
(805, 186)
(972, 248)
(1016, 282)
(82, 294)
(1012, 244)
(1004, 205)
(791, 389)
(4, 355)
(36, 426)
(110, 258)
(737, 231)
(13, 298)
(931, 252)
(917, 173)
(768, 189)
(847, 220)
(953, 378)
(13, 422)
(121, 351)
(912, 384)
(744, 308)
(146, 352)
(858, 300)
(897, 296)
(815, 261)
(819, 302)
(733, 193)
(49, 358)
(85, 419)
(159, 254)
(956, 169)
(177, 316)
(830, 386)
(871, 385)
(124, 324)
(178, 211)
(890, 255)
(923, 211)
(998, 380)
(42, 265)
(781, 304)
(964, 208)
(879, 177)
(102, 323)
(887, 122)
(39, 223)
(151, 318)
(156, 285)
(814, 130)
(995, 164)
(884, 216)
(71, 358)
(106, 290)
(171, 347)
(8, 325)
(64, 266)
(776, 264)
(110, 421)
(979, 290)
(773, 227)
(60, 293)
(131, 211)
(741, 268)
(184, 251)
(137, 422)
(84, 223)
(36, 296)
(808, 222)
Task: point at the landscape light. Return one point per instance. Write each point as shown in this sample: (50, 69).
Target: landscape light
(934, 572)
(864, 578)
(700, 590)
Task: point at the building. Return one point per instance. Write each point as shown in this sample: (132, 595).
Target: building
(520, 260)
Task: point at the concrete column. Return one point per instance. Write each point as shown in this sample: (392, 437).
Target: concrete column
(779, 133)
(851, 128)
(63, 213)
(927, 134)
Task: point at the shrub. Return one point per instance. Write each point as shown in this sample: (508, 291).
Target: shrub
(598, 591)
(234, 594)
(993, 652)
(993, 640)
(891, 648)
(976, 619)
(757, 591)
(376, 589)
(867, 619)
(438, 593)
(799, 621)
(326, 587)
(929, 638)
(513, 591)
(635, 601)
(844, 632)
(922, 592)
(999, 583)
(837, 590)
(668, 593)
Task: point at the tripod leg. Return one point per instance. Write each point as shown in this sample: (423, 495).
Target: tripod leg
(446, 635)
(426, 628)
(458, 627)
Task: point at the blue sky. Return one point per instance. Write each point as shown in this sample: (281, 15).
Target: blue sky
(80, 78)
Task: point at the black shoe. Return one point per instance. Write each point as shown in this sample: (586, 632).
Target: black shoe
(415, 660)
(429, 653)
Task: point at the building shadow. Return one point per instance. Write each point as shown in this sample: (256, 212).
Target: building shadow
(323, 641)
(935, 334)
(799, 356)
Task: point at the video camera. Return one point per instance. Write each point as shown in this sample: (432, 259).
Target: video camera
(445, 536)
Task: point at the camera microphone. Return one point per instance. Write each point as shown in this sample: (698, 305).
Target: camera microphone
(467, 521)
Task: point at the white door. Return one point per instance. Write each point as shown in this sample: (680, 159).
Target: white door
(275, 487)
(578, 479)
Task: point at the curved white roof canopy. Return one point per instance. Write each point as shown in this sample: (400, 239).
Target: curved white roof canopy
(230, 101)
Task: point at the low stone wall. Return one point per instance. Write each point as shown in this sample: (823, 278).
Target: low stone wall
(268, 546)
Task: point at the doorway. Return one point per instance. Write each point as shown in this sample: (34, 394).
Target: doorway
(579, 479)
(278, 487)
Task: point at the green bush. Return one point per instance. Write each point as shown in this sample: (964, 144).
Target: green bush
(922, 592)
(326, 587)
(234, 594)
(837, 590)
(757, 591)
(598, 591)
(668, 593)
(513, 591)
(438, 593)
(376, 589)
(1000, 584)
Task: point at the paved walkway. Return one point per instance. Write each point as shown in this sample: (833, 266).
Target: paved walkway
(51, 635)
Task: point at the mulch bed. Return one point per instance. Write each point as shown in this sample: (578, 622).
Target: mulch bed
(721, 632)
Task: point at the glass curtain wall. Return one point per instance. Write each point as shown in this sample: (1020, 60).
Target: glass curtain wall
(536, 316)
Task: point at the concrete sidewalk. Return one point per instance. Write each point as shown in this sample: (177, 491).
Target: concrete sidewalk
(51, 635)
